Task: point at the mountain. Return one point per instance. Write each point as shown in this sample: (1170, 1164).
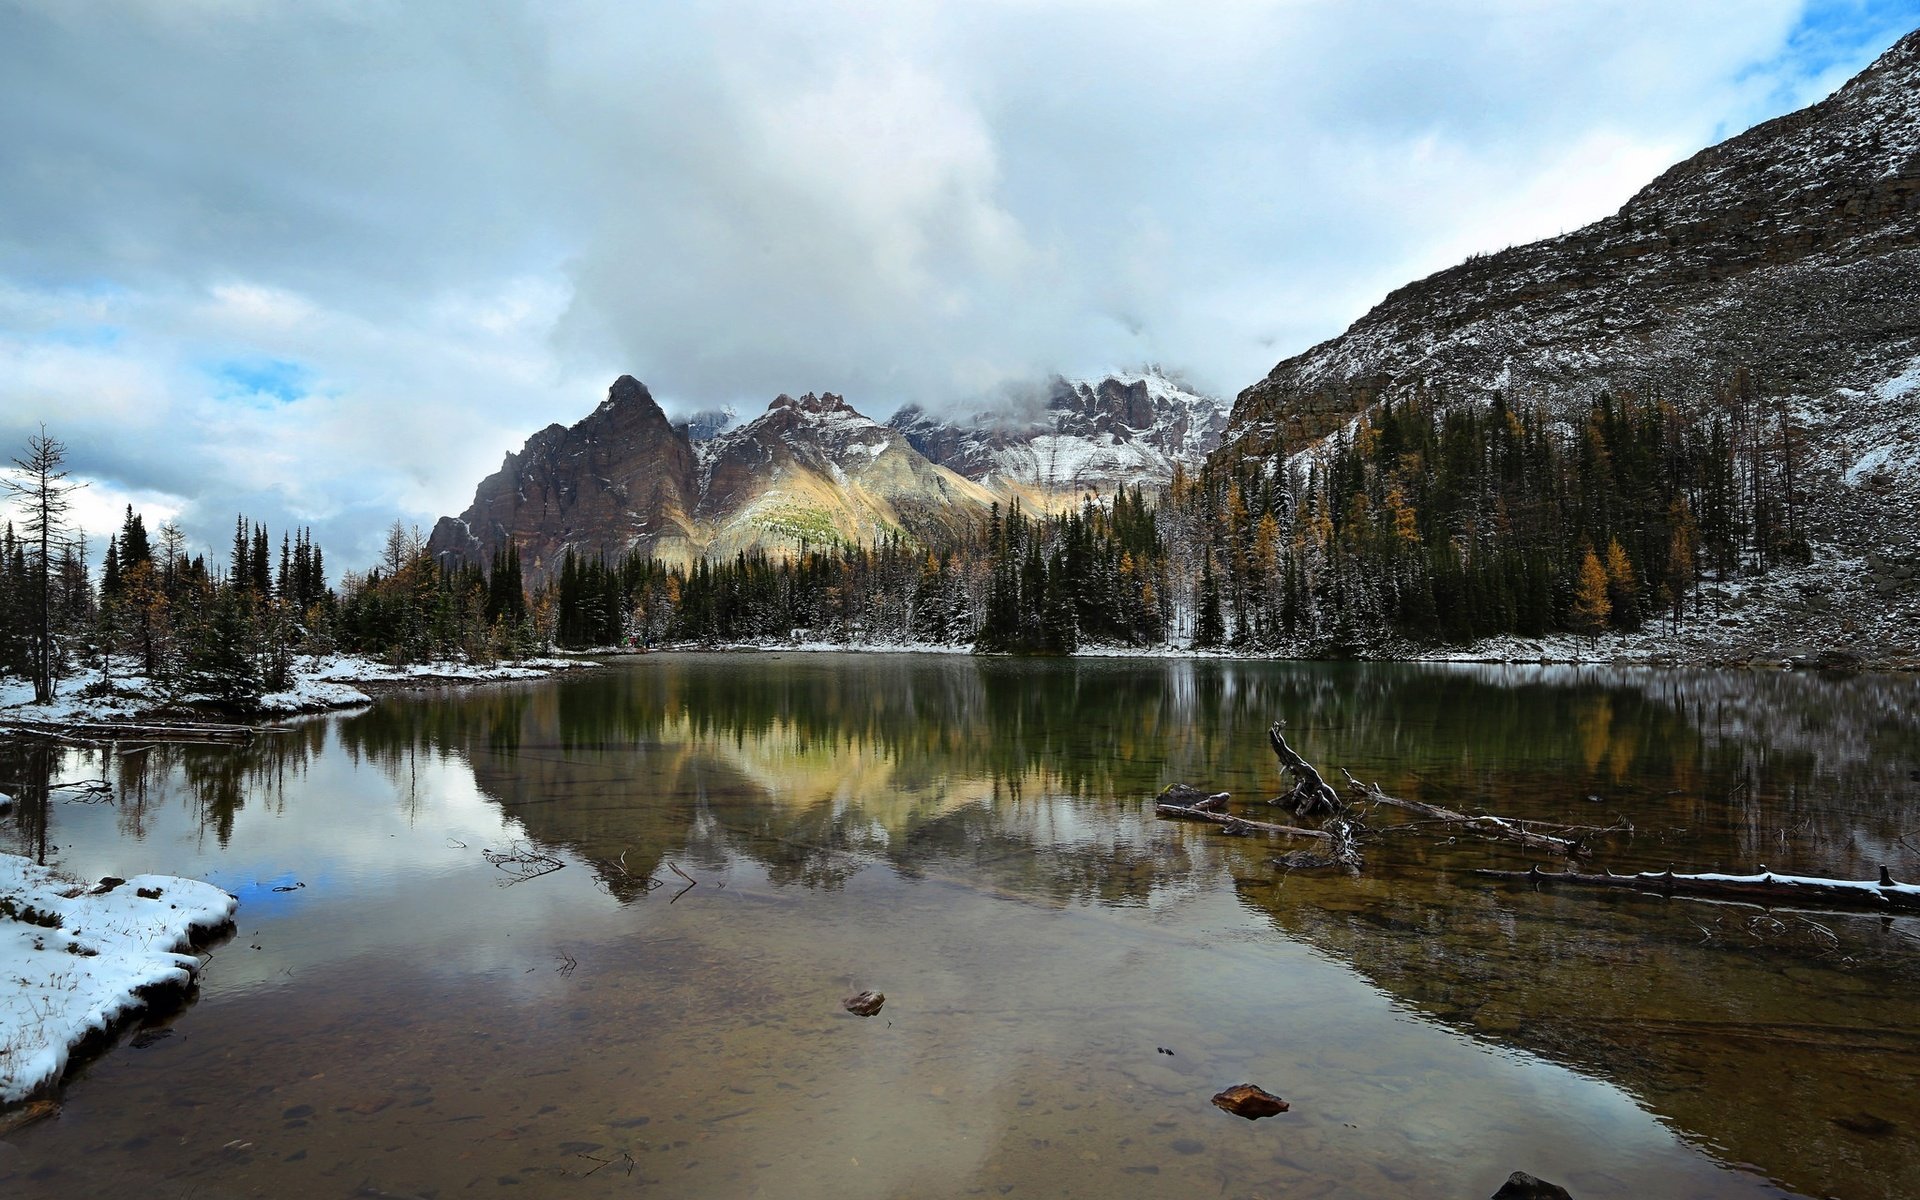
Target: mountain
(815, 471)
(810, 471)
(622, 478)
(1076, 436)
(1790, 252)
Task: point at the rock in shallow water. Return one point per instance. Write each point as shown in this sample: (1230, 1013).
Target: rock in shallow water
(1246, 1100)
(865, 1004)
(1522, 1186)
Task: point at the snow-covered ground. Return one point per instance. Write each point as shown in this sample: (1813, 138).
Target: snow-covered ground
(75, 959)
(1828, 612)
(82, 696)
(320, 682)
(352, 668)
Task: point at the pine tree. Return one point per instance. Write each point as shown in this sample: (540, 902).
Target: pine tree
(134, 546)
(1210, 629)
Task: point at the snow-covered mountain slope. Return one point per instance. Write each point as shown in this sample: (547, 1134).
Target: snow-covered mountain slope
(1792, 250)
(814, 470)
(1081, 435)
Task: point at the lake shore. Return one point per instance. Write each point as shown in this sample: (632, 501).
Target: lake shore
(83, 960)
(321, 683)
(325, 683)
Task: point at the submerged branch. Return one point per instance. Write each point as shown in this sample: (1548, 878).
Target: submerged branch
(1232, 824)
(1484, 825)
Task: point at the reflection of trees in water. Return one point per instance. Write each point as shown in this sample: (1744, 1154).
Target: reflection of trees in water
(822, 760)
(1766, 1044)
(28, 769)
(214, 780)
(1800, 772)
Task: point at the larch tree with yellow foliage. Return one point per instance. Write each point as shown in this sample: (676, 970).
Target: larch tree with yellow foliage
(1591, 608)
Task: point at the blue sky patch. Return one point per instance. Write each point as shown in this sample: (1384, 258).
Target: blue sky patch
(275, 378)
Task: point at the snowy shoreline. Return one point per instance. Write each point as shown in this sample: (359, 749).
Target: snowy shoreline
(78, 961)
(321, 683)
(1557, 650)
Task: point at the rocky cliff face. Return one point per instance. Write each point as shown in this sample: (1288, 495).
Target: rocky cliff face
(1085, 435)
(623, 478)
(810, 471)
(1792, 250)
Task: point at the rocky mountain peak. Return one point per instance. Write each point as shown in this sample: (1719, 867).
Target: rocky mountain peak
(709, 423)
(622, 477)
(627, 390)
(810, 470)
(824, 404)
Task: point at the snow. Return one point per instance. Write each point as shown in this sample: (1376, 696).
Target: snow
(60, 984)
(1079, 440)
(1905, 384)
(351, 668)
(1869, 464)
(320, 682)
(128, 697)
(1872, 886)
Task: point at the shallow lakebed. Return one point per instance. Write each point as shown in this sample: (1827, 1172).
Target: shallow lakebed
(746, 839)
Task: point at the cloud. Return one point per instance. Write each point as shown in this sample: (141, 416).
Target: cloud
(325, 263)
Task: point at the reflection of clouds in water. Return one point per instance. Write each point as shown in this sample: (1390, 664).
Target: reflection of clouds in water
(387, 855)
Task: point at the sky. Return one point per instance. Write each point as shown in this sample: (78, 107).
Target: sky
(326, 263)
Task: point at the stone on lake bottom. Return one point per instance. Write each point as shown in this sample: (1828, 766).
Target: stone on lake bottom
(1246, 1100)
(865, 1004)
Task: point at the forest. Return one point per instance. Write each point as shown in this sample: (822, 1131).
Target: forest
(1424, 523)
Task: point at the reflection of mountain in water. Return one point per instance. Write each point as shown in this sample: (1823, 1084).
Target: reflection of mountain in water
(928, 765)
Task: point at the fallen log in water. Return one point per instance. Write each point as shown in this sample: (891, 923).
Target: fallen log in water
(1484, 825)
(1767, 887)
(1231, 823)
(1340, 835)
(94, 731)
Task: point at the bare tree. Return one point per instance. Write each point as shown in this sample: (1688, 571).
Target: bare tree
(39, 486)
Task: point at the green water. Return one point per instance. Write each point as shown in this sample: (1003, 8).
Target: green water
(747, 839)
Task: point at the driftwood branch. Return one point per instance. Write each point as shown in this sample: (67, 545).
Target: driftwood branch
(1497, 828)
(1182, 802)
(1766, 887)
(1311, 795)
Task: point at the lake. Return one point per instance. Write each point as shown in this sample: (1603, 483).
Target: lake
(417, 1004)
